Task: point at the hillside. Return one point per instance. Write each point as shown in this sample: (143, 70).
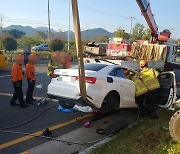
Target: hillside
(86, 34)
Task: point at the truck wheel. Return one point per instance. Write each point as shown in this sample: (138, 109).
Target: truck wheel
(174, 126)
(110, 102)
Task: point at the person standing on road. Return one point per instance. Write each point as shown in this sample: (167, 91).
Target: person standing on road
(52, 65)
(149, 77)
(60, 60)
(31, 78)
(17, 76)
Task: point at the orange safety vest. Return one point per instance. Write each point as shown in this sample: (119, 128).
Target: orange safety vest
(16, 72)
(140, 87)
(30, 71)
(149, 77)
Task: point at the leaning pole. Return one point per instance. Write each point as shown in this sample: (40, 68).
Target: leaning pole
(77, 31)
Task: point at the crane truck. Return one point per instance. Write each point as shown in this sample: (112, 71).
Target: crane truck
(161, 55)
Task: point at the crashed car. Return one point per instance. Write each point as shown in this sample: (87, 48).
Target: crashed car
(107, 87)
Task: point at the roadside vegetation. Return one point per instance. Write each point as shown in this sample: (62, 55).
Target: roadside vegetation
(147, 136)
(13, 40)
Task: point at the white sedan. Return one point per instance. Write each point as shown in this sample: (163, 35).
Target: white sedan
(107, 87)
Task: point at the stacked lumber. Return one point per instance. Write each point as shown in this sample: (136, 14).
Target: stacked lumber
(148, 51)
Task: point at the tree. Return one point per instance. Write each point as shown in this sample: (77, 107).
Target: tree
(42, 35)
(178, 42)
(121, 33)
(147, 34)
(138, 32)
(56, 45)
(101, 39)
(9, 44)
(16, 33)
(33, 41)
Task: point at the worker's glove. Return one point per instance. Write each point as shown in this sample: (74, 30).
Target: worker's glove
(17, 84)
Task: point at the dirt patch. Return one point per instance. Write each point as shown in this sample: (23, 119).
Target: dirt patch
(150, 140)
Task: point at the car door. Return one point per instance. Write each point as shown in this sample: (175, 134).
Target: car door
(167, 92)
(124, 86)
(46, 48)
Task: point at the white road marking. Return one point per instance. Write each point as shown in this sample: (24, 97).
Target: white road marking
(3, 76)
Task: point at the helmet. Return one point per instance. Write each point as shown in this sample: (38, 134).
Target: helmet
(125, 71)
(143, 63)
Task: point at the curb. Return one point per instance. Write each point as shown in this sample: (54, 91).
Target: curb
(95, 145)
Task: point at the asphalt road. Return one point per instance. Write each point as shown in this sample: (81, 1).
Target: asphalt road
(14, 116)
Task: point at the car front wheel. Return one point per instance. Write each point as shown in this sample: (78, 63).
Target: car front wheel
(111, 102)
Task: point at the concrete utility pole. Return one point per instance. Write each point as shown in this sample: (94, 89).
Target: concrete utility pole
(78, 39)
(49, 24)
(1, 32)
(131, 20)
(1, 26)
(69, 24)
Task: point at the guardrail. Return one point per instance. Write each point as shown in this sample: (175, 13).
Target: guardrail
(43, 55)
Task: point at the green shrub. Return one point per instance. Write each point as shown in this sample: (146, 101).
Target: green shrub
(9, 44)
(56, 45)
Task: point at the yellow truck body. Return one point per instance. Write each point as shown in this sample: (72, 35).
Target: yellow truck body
(3, 60)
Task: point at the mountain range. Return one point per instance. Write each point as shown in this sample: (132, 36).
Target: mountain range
(86, 34)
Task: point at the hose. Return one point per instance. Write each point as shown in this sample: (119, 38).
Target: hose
(10, 127)
(51, 138)
(55, 139)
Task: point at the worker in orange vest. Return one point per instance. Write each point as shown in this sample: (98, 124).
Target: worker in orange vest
(17, 76)
(31, 78)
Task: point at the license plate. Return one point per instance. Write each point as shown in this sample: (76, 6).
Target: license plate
(59, 78)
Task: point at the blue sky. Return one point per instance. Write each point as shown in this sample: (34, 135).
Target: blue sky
(108, 14)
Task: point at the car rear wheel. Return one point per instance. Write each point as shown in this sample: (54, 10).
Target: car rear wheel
(110, 102)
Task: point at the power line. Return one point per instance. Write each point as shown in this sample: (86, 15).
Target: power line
(32, 11)
(91, 9)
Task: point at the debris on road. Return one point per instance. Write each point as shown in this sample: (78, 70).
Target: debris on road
(42, 102)
(86, 109)
(60, 108)
(86, 123)
(39, 86)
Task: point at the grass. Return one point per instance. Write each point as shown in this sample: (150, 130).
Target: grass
(147, 136)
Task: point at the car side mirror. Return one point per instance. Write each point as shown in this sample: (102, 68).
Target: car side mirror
(109, 79)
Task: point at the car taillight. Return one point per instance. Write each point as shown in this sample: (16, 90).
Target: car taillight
(91, 80)
(54, 76)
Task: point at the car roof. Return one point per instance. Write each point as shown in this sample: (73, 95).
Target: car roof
(111, 66)
(42, 44)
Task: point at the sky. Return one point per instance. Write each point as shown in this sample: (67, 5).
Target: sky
(107, 14)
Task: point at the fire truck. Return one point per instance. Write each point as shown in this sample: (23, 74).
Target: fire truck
(118, 47)
(162, 55)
